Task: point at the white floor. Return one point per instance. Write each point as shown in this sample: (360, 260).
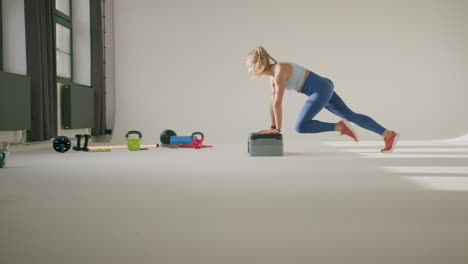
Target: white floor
(331, 202)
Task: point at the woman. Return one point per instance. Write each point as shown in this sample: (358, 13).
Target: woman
(320, 90)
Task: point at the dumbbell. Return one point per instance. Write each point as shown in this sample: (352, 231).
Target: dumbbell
(78, 143)
(85, 147)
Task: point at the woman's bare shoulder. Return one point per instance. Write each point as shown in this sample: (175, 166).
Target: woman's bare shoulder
(283, 70)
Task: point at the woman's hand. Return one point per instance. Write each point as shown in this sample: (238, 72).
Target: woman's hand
(263, 131)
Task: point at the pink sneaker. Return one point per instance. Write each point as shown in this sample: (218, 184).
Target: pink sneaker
(347, 129)
(390, 142)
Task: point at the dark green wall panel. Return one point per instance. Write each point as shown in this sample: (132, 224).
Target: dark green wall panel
(15, 102)
(77, 106)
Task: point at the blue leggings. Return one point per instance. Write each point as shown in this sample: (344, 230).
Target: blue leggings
(321, 94)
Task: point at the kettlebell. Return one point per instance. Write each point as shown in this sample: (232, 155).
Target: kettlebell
(133, 144)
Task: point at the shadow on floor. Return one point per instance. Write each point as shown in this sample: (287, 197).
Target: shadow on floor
(312, 154)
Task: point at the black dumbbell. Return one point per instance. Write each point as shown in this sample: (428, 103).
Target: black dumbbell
(78, 143)
(85, 147)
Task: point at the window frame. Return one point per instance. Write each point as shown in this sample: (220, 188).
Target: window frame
(65, 21)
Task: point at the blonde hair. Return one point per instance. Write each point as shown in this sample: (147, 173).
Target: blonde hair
(261, 60)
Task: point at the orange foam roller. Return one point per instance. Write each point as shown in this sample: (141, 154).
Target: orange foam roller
(120, 147)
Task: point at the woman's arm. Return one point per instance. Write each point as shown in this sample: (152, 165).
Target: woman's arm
(272, 112)
(280, 87)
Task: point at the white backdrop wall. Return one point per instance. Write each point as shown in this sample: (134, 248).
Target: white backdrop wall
(181, 64)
